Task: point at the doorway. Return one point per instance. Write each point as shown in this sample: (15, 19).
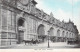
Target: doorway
(20, 30)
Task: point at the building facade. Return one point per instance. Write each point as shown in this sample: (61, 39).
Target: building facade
(21, 20)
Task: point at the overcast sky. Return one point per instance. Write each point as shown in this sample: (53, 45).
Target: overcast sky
(62, 9)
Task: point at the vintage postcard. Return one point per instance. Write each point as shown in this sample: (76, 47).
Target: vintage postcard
(39, 24)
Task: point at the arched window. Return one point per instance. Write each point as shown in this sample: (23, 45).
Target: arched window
(63, 34)
(58, 33)
(66, 34)
(70, 35)
(21, 22)
(41, 30)
(51, 31)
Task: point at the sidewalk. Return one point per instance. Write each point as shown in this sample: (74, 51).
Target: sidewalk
(57, 45)
(8, 46)
(19, 46)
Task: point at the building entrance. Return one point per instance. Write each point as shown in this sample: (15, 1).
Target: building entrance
(21, 28)
(41, 32)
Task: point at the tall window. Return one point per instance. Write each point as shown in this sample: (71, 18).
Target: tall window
(41, 30)
(58, 33)
(4, 19)
(51, 32)
(8, 19)
(63, 34)
(70, 35)
(13, 21)
(67, 34)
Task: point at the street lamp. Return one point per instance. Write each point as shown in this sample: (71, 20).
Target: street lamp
(48, 40)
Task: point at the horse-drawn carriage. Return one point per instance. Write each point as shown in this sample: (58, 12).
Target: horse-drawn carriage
(30, 41)
(73, 42)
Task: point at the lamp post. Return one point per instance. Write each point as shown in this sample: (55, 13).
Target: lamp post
(48, 40)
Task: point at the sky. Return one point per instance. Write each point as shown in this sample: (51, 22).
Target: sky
(62, 9)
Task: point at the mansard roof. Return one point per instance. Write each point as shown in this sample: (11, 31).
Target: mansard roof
(66, 25)
(51, 19)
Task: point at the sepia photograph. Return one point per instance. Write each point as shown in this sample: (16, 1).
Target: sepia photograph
(39, 24)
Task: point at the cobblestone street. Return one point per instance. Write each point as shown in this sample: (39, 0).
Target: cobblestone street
(42, 46)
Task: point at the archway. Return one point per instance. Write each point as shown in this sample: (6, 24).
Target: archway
(66, 36)
(58, 33)
(41, 32)
(51, 34)
(63, 36)
(21, 27)
(70, 37)
(58, 36)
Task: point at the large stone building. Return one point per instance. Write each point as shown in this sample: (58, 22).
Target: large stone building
(21, 20)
